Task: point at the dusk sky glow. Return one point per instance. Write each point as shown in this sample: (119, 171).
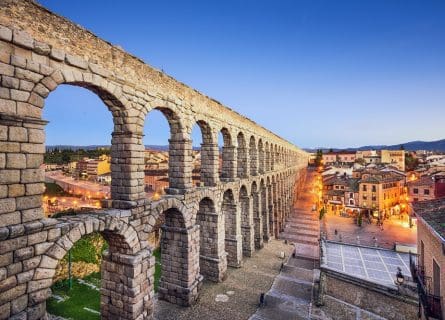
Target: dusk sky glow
(317, 73)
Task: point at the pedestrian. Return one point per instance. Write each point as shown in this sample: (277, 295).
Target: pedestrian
(381, 225)
(262, 300)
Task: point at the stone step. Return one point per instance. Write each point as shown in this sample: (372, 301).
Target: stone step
(299, 239)
(298, 273)
(303, 227)
(303, 262)
(286, 306)
(301, 231)
(308, 251)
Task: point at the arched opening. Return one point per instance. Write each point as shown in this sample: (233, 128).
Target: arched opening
(253, 156)
(257, 218)
(212, 258)
(272, 157)
(205, 155)
(270, 207)
(233, 237)
(227, 159)
(264, 211)
(85, 268)
(247, 229)
(157, 133)
(261, 157)
(242, 164)
(267, 159)
(179, 276)
(77, 158)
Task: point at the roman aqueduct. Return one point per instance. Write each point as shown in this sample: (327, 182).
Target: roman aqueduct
(205, 228)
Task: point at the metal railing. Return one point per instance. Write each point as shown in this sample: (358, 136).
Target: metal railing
(431, 304)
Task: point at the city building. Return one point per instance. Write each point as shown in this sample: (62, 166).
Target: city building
(92, 168)
(340, 157)
(368, 156)
(382, 192)
(428, 270)
(427, 187)
(393, 157)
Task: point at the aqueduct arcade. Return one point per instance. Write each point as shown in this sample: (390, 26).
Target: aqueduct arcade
(206, 228)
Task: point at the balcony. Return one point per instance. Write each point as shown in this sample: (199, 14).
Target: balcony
(431, 304)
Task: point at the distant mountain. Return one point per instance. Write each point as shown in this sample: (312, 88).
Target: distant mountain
(62, 147)
(438, 145)
(93, 147)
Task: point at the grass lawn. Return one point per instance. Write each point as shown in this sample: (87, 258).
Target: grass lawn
(82, 296)
(157, 254)
(79, 297)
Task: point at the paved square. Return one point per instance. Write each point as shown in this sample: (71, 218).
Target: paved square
(372, 264)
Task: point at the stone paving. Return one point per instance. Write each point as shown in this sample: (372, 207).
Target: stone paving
(292, 292)
(394, 230)
(238, 296)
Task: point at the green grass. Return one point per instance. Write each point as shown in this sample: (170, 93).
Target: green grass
(81, 296)
(157, 254)
(78, 297)
(84, 250)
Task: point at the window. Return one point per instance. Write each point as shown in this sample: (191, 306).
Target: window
(365, 197)
(426, 191)
(422, 253)
(436, 278)
(416, 199)
(415, 191)
(364, 187)
(374, 198)
(351, 195)
(374, 189)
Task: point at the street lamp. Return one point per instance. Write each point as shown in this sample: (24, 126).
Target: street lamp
(400, 278)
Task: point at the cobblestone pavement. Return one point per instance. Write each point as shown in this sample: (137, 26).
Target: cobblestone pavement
(292, 292)
(238, 296)
(394, 230)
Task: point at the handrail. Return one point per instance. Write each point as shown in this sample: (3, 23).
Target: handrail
(430, 302)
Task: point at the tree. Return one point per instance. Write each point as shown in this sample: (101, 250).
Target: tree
(319, 157)
(411, 162)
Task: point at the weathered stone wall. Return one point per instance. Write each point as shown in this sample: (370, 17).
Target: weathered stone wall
(380, 300)
(260, 175)
(433, 251)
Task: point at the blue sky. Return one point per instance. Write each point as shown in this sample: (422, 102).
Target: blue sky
(318, 73)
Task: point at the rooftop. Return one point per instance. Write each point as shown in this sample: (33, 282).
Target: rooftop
(433, 213)
(372, 264)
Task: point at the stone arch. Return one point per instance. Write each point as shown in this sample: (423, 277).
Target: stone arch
(233, 237)
(242, 159)
(247, 227)
(209, 155)
(261, 157)
(180, 278)
(267, 157)
(124, 253)
(127, 126)
(264, 210)
(272, 156)
(179, 174)
(160, 207)
(212, 258)
(257, 218)
(253, 153)
(228, 167)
